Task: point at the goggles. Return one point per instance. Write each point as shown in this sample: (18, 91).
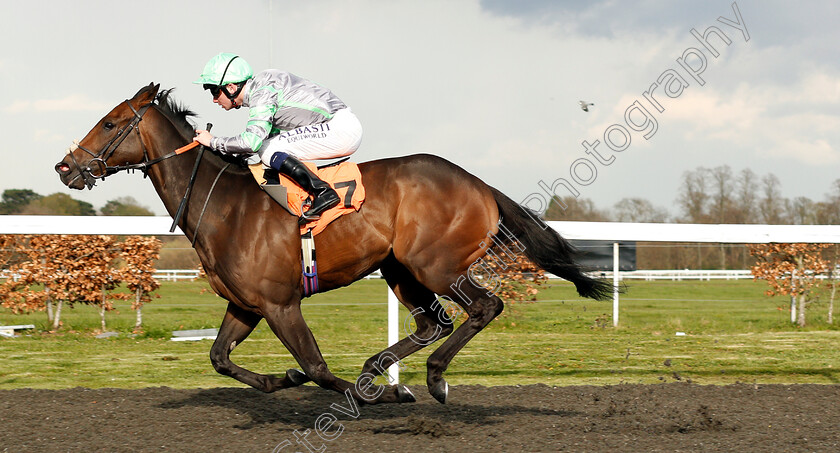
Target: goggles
(215, 90)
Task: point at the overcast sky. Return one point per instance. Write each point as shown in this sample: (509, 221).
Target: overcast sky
(492, 85)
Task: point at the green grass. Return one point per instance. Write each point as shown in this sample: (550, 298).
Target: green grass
(733, 333)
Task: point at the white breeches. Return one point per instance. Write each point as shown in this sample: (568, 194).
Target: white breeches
(338, 137)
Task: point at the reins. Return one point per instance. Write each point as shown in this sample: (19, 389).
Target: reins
(207, 200)
(183, 204)
(144, 166)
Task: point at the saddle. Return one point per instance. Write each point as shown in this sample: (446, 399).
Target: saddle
(344, 177)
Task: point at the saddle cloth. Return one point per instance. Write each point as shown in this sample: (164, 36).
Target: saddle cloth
(345, 178)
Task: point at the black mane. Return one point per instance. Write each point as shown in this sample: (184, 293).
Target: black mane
(180, 114)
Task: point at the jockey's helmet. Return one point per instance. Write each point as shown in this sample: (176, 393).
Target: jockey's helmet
(225, 68)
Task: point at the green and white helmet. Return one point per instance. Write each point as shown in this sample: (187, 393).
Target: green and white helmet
(225, 68)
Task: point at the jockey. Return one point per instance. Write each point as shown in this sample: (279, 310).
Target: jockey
(290, 119)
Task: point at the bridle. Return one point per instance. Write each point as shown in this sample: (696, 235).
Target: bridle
(97, 168)
(99, 159)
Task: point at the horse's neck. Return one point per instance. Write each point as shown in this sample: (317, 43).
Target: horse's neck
(171, 179)
(171, 176)
(216, 185)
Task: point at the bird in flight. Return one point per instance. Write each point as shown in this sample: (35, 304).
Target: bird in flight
(585, 105)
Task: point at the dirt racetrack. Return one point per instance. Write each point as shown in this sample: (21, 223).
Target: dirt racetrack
(623, 418)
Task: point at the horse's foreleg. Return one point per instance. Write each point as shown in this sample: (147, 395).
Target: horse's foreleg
(235, 328)
(481, 311)
(288, 324)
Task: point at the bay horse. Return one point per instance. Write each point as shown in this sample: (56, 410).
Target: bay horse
(424, 222)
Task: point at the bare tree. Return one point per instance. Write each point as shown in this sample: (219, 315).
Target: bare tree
(722, 207)
(722, 188)
(576, 209)
(801, 211)
(639, 210)
(771, 205)
(828, 211)
(694, 196)
(746, 197)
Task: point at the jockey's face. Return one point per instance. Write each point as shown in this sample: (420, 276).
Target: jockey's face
(225, 102)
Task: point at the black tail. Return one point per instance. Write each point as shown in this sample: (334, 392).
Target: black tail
(547, 249)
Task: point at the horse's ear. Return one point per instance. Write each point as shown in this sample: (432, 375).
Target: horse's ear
(147, 93)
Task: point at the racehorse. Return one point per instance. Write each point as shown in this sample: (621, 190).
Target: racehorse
(425, 222)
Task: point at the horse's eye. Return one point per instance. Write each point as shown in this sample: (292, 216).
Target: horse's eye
(108, 126)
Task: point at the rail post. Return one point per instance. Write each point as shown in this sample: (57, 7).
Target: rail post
(393, 333)
(616, 280)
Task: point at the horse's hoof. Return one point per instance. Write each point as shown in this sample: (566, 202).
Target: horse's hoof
(440, 391)
(404, 395)
(297, 377)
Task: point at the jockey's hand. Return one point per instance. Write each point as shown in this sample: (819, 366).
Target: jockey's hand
(203, 137)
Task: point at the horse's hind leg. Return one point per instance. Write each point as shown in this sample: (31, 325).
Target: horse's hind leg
(235, 328)
(429, 316)
(288, 324)
(483, 309)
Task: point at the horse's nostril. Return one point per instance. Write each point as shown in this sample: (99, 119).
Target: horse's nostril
(62, 168)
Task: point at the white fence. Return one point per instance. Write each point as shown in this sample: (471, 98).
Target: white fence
(167, 275)
(174, 275)
(682, 274)
(692, 232)
(117, 225)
